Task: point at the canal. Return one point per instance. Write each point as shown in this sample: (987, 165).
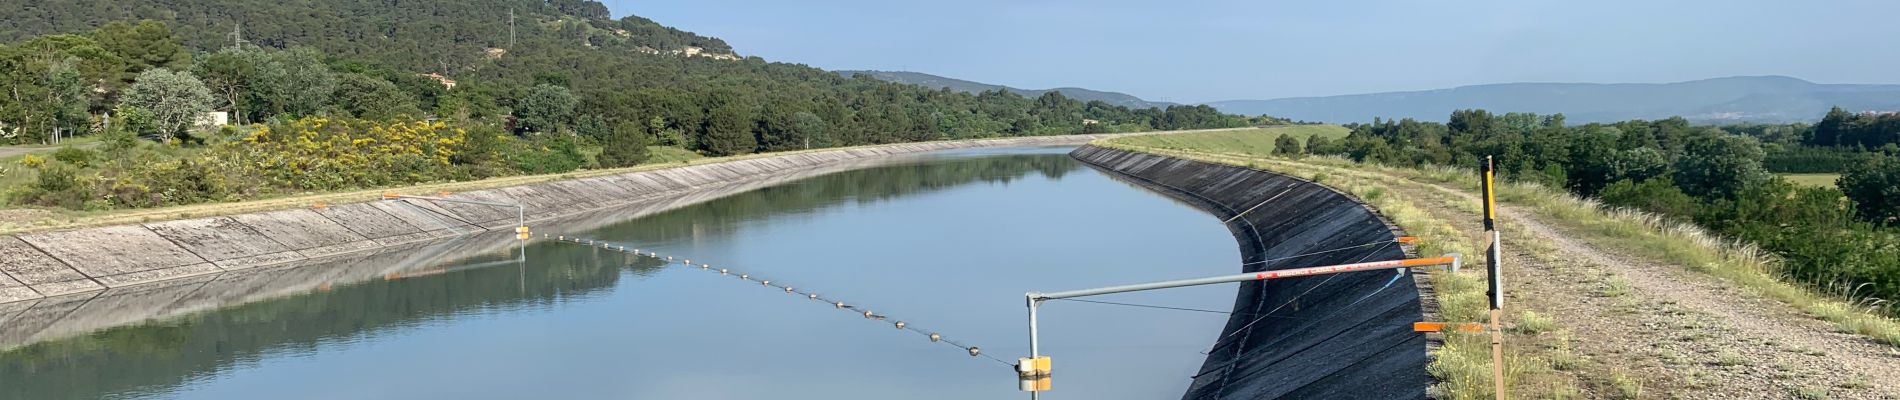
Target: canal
(947, 242)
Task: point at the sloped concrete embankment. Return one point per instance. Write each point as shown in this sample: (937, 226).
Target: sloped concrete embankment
(55, 264)
(1344, 336)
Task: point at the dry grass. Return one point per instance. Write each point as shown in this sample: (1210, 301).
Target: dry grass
(1253, 141)
(1637, 233)
(1815, 180)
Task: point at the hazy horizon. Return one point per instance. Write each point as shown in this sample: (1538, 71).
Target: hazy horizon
(1168, 51)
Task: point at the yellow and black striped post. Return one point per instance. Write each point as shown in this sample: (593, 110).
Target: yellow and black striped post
(1493, 268)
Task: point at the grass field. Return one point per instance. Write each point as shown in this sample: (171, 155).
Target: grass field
(1815, 180)
(1245, 141)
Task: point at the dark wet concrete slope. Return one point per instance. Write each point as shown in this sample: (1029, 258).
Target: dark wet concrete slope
(1345, 336)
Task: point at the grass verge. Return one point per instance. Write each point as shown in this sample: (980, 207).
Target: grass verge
(1638, 233)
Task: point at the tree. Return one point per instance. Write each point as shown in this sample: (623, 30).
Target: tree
(1638, 164)
(1719, 165)
(729, 131)
(1831, 129)
(1318, 144)
(813, 129)
(145, 45)
(370, 97)
(1874, 187)
(1655, 195)
(1286, 145)
(233, 74)
(295, 82)
(174, 100)
(545, 108)
(625, 147)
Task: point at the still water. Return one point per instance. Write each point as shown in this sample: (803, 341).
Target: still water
(947, 242)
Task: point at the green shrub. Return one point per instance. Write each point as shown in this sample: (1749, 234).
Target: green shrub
(548, 154)
(76, 156)
(1659, 195)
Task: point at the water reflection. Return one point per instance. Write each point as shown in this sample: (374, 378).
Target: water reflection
(464, 320)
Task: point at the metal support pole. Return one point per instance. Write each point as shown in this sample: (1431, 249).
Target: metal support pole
(1035, 342)
(1495, 271)
(1035, 348)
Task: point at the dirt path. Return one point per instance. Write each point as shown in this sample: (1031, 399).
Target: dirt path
(1633, 327)
(9, 151)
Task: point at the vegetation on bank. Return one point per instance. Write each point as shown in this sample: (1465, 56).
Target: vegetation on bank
(1840, 241)
(306, 120)
(1463, 365)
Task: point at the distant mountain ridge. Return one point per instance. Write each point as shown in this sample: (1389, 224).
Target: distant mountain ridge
(1766, 99)
(933, 81)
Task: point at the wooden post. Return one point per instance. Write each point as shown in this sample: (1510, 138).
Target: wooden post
(1493, 267)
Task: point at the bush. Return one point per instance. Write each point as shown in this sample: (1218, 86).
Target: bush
(548, 154)
(626, 146)
(1658, 195)
(75, 156)
(318, 153)
(1874, 187)
(56, 186)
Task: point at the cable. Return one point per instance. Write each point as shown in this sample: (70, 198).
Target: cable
(1147, 306)
(1172, 308)
(1318, 252)
(840, 304)
(1329, 278)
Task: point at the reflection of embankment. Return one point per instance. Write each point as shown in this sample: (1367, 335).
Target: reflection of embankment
(1340, 336)
(41, 265)
(167, 353)
(157, 336)
(860, 185)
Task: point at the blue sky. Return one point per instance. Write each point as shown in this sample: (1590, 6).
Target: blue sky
(1193, 51)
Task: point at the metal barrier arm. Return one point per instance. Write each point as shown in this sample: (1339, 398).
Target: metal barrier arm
(1450, 259)
(1034, 370)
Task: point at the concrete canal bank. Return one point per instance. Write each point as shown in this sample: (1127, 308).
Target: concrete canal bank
(1340, 336)
(63, 263)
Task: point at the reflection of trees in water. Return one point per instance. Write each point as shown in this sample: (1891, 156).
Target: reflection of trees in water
(867, 185)
(158, 355)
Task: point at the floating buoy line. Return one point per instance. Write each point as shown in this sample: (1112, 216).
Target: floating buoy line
(867, 313)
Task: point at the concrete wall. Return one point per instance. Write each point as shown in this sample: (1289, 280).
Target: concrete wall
(56, 265)
(1344, 336)
(58, 316)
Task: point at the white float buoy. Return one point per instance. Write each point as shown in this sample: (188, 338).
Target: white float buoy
(975, 351)
(788, 289)
(813, 296)
(900, 324)
(934, 337)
